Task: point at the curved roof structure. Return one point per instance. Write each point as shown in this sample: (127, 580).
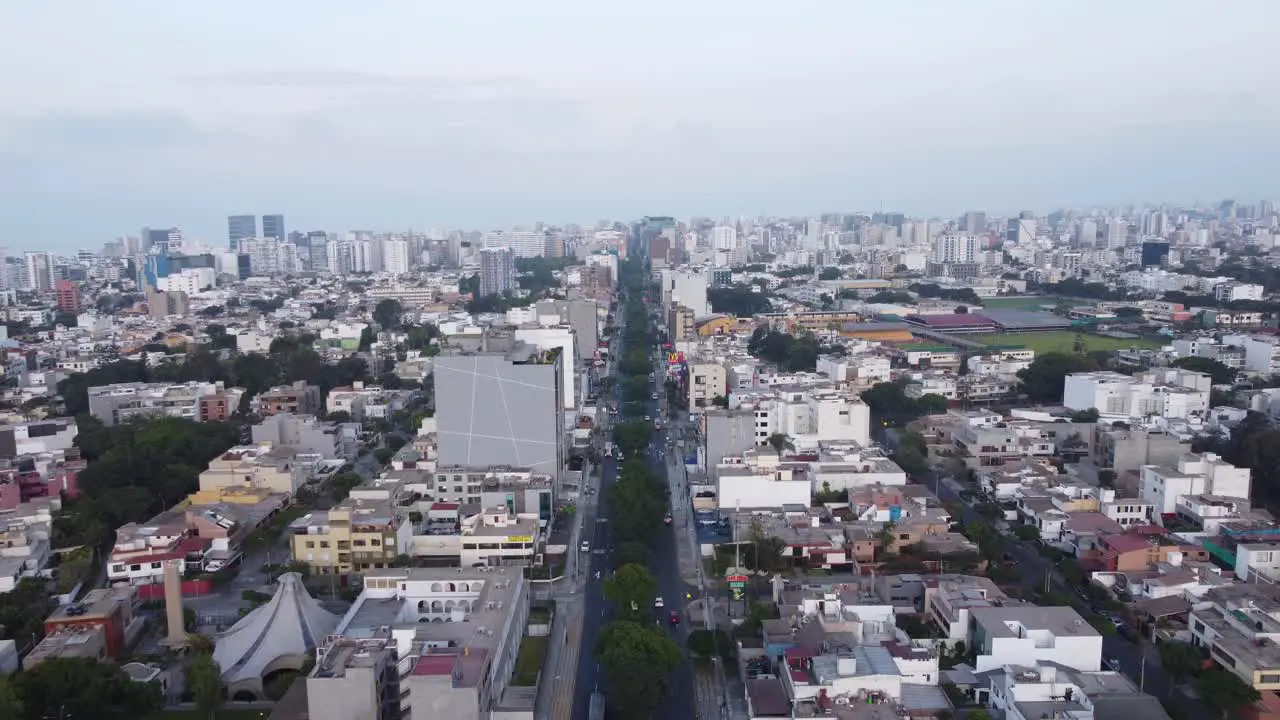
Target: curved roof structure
(289, 625)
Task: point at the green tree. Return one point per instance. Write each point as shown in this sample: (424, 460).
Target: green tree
(387, 314)
(204, 680)
(631, 553)
(1044, 380)
(781, 442)
(632, 437)
(10, 703)
(1221, 690)
(84, 688)
(637, 659)
(1221, 373)
(1181, 660)
(632, 589)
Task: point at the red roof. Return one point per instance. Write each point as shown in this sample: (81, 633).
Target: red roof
(444, 506)
(435, 665)
(1126, 543)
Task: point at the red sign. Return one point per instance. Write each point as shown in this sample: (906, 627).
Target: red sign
(737, 579)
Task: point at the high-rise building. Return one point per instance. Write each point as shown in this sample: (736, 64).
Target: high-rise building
(39, 270)
(952, 248)
(502, 407)
(497, 271)
(162, 239)
(240, 227)
(395, 256)
(68, 296)
(975, 222)
(1154, 253)
(273, 227)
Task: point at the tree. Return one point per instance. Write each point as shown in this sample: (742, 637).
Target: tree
(632, 437)
(962, 310)
(204, 680)
(1221, 374)
(632, 589)
(1221, 690)
(637, 659)
(781, 442)
(387, 313)
(720, 401)
(829, 273)
(1181, 660)
(10, 703)
(1045, 379)
(631, 553)
(84, 688)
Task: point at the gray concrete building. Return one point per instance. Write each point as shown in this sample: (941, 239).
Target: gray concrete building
(726, 433)
(501, 408)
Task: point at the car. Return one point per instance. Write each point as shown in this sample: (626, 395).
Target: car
(1113, 664)
(654, 396)
(657, 602)
(675, 617)
(586, 546)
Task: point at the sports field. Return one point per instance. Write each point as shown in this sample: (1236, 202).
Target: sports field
(1060, 341)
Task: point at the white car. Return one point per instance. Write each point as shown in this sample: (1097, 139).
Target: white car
(657, 602)
(586, 546)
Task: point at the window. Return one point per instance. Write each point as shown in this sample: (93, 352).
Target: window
(311, 543)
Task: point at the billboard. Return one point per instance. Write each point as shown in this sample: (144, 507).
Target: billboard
(675, 358)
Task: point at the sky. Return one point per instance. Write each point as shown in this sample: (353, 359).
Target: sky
(419, 114)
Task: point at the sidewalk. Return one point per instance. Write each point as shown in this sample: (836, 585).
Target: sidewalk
(562, 675)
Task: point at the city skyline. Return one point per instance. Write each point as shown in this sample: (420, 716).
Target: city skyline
(571, 113)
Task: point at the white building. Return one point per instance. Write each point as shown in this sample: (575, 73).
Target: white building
(956, 248)
(563, 337)
(395, 256)
(1030, 635)
(1232, 291)
(757, 480)
(1205, 474)
(707, 381)
(1167, 393)
(688, 288)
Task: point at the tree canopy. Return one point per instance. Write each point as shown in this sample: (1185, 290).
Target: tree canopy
(890, 404)
(631, 586)
(136, 470)
(738, 300)
(638, 659)
(788, 352)
(83, 688)
(1221, 373)
(1045, 379)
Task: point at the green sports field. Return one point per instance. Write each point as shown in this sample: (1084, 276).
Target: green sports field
(1060, 341)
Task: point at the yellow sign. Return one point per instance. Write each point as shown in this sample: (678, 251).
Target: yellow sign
(519, 538)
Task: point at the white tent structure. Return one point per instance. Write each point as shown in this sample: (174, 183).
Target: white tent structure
(276, 636)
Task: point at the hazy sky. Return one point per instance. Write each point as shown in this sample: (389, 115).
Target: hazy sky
(418, 113)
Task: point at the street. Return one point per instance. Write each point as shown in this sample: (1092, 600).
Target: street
(1034, 569)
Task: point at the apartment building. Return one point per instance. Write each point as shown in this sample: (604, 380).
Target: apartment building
(363, 402)
(262, 465)
(521, 490)
(1030, 635)
(40, 436)
(296, 399)
(308, 435)
(1193, 474)
(949, 599)
(502, 407)
(354, 536)
(1046, 690)
(809, 415)
(707, 381)
(1167, 393)
(1240, 626)
(121, 402)
(758, 479)
(24, 552)
(986, 446)
(424, 642)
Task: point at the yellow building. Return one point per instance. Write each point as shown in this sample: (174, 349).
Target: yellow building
(352, 537)
(717, 325)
